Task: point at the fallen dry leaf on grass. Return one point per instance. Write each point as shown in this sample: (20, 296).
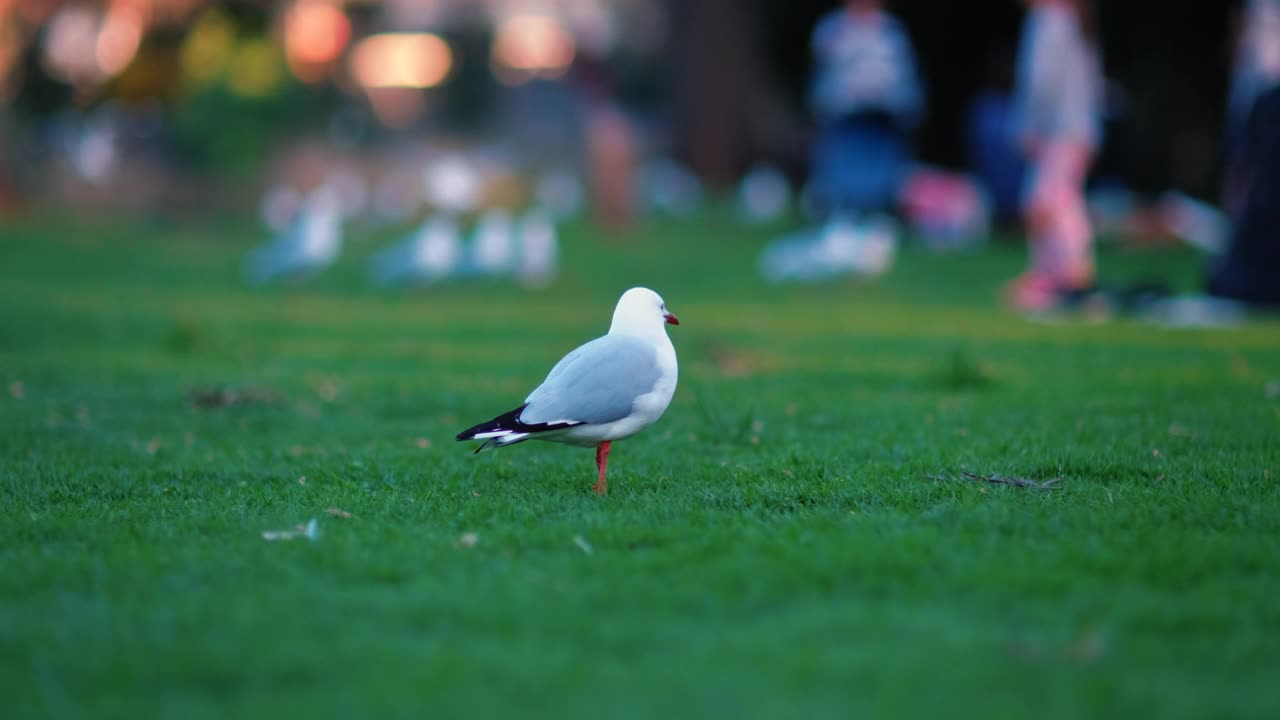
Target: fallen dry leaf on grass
(328, 391)
(736, 362)
(220, 397)
(467, 540)
(582, 544)
(309, 530)
(338, 512)
(1089, 646)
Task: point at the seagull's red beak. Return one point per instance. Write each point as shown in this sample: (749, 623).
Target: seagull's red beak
(672, 319)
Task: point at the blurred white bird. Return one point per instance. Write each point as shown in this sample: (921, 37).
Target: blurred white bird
(539, 248)
(311, 242)
(430, 254)
(452, 184)
(666, 186)
(492, 250)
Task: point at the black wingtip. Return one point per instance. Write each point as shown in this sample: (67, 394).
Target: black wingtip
(505, 421)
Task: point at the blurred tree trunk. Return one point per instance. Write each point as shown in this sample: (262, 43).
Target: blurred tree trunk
(716, 74)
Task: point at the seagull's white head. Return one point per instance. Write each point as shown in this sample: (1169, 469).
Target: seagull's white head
(641, 311)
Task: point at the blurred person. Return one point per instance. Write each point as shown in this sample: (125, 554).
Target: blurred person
(991, 133)
(1256, 70)
(1249, 269)
(611, 154)
(1059, 92)
(866, 98)
(1245, 274)
(1257, 64)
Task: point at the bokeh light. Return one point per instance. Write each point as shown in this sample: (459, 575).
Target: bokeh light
(401, 60)
(315, 34)
(119, 38)
(208, 47)
(531, 46)
(71, 30)
(255, 69)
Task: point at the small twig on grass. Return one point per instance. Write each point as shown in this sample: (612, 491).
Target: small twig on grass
(1001, 480)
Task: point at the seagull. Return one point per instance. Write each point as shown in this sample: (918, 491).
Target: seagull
(310, 243)
(539, 248)
(608, 389)
(430, 254)
(492, 250)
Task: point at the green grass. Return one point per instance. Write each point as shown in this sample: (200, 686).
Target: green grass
(774, 547)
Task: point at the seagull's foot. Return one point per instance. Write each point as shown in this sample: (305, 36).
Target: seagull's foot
(601, 487)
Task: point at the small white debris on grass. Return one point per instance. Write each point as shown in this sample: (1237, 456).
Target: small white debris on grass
(583, 545)
(310, 531)
(338, 512)
(468, 540)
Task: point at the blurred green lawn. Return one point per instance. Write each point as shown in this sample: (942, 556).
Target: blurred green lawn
(774, 547)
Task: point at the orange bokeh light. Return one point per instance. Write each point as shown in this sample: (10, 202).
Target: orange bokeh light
(119, 38)
(401, 60)
(527, 46)
(315, 33)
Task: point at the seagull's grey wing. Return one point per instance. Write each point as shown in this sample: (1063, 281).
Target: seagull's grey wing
(597, 383)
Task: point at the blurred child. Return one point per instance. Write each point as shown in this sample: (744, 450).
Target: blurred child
(1059, 90)
(866, 97)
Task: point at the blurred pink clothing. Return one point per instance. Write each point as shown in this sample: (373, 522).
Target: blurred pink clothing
(1061, 239)
(1059, 94)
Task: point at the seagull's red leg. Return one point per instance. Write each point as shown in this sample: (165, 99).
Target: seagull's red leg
(602, 459)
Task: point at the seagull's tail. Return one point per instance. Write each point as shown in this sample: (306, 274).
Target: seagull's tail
(507, 429)
(502, 441)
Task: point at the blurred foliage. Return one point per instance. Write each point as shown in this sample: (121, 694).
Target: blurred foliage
(220, 131)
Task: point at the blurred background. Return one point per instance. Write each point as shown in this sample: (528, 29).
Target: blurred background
(499, 119)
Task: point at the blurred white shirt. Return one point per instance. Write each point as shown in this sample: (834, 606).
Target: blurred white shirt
(864, 64)
(1059, 93)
